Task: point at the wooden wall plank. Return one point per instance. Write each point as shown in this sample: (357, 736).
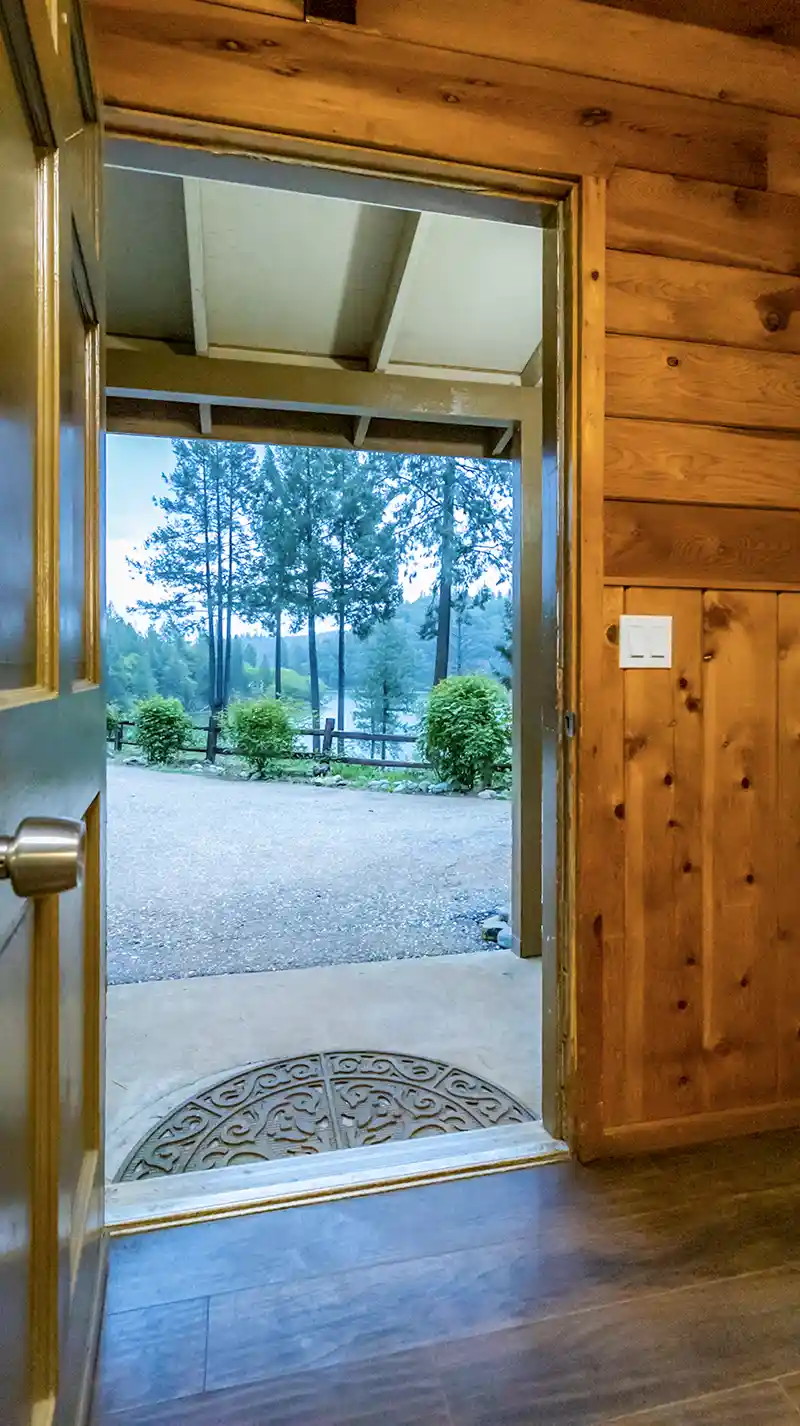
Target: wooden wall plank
(611, 928)
(709, 222)
(778, 20)
(699, 302)
(788, 836)
(739, 822)
(591, 39)
(698, 546)
(705, 465)
(598, 917)
(663, 889)
(258, 72)
(687, 381)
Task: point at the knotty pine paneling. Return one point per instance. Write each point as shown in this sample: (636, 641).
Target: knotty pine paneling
(788, 845)
(663, 892)
(700, 302)
(707, 971)
(609, 928)
(257, 72)
(699, 545)
(709, 222)
(690, 381)
(739, 776)
(702, 465)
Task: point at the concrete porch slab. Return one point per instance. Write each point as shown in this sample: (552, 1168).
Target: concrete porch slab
(166, 1038)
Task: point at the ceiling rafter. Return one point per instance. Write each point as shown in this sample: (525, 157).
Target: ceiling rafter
(193, 213)
(412, 236)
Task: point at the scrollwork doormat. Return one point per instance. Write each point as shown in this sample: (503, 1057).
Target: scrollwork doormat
(310, 1104)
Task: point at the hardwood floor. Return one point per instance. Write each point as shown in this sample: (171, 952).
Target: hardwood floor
(663, 1291)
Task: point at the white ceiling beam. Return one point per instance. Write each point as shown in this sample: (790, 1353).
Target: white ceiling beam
(504, 439)
(360, 431)
(532, 371)
(197, 264)
(140, 367)
(406, 258)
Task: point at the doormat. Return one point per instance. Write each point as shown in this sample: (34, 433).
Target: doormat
(311, 1104)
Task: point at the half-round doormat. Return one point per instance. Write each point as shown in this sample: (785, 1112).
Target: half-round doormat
(311, 1104)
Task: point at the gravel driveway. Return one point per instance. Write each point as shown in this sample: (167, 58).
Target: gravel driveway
(209, 876)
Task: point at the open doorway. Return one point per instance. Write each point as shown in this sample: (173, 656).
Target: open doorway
(321, 948)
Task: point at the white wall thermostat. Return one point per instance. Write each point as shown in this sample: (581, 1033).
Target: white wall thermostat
(645, 641)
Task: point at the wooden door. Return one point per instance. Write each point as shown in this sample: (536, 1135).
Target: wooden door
(52, 749)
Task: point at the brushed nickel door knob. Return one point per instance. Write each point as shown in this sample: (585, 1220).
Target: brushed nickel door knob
(46, 855)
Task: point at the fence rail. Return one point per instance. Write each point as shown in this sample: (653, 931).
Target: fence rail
(322, 737)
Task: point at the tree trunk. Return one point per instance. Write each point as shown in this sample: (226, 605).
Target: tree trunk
(445, 574)
(340, 679)
(210, 630)
(384, 717)
(226, 677)
(313, 667)
(220, 680)
(278, 651)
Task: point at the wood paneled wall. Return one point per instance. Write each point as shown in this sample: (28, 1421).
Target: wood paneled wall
(701, 952)
(687, 956)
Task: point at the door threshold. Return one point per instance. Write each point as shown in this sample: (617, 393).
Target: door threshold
(149, 1203)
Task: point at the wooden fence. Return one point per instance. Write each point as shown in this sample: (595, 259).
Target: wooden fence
(322, 744)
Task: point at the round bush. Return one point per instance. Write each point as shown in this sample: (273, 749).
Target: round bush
(467, 729)
(162, 728)
(261, 732)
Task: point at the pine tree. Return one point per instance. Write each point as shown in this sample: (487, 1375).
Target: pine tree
(387, 688)
(272, 593)
(362, 557)
(457, 512)
(201, 551)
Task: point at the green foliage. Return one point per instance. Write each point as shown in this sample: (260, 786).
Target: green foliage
(467, 729)
(505, 648)
(386, 689)
(162, 728)
(113, 719)
(261, 732)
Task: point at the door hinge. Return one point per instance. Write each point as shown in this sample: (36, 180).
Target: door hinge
(570, 724)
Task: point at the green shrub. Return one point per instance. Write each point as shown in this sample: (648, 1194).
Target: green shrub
(113, 719)
(467, 729)
(261, 732)
(162, 728)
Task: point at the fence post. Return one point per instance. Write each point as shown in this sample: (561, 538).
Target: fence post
(211, 739)
(119, 733)
(327, 737)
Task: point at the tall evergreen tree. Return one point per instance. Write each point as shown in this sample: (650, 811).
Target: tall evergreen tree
(362, 557)
(201, 551)
(386, 689)
(272, 593)
(458, 513)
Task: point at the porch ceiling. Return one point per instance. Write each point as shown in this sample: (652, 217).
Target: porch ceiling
(259, 273)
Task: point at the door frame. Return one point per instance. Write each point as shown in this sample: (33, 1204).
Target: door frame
(565, 599)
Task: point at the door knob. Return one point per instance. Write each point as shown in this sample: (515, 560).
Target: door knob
(45, 855)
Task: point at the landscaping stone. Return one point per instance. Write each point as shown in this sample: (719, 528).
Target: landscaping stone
(504, 913)
(491, 928)
(505, 939)
(489, 795)
(134, 762)
(438, 789)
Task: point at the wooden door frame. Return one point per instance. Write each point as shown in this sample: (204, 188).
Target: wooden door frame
(572, 215)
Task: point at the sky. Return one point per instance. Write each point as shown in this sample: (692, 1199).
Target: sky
(135, 466)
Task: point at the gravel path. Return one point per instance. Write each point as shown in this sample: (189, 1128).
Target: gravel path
(207, 876)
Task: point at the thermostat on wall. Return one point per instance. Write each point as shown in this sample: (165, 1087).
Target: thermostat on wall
(645, 641)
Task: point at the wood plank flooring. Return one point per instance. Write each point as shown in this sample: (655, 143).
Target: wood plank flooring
(663, 1291)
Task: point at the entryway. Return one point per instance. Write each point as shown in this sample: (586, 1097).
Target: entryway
(294, 310)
